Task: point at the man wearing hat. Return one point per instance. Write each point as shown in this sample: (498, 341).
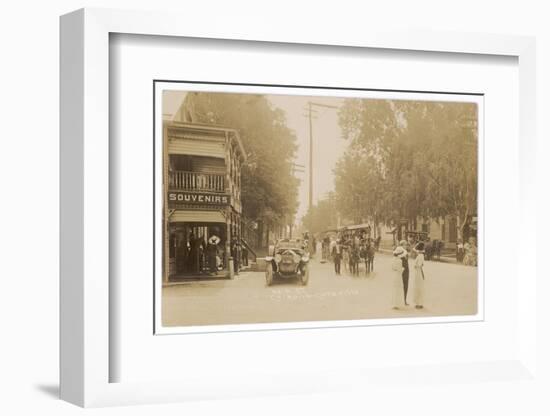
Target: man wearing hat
(337, 256)
(397, 268)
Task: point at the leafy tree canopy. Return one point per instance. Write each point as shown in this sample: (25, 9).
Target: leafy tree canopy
(269, 188)
(321, 217)
(407, 159)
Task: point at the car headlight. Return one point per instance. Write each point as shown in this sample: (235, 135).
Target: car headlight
(305, 259)
(278, 258)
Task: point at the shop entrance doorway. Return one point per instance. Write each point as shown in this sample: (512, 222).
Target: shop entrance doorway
(197, 249)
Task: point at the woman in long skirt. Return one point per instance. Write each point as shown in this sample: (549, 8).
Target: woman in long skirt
(397, 271)
(419, 276)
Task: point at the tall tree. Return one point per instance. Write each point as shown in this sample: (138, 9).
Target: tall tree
(360, 186)
(416, 158)
(321, 217)
(269, 188)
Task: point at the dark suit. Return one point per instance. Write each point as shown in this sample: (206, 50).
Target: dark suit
(405, 276)
(337, 256)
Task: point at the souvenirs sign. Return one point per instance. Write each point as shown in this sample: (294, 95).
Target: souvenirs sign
(197, 198)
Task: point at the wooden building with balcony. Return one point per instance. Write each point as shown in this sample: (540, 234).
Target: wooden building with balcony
(202, 198)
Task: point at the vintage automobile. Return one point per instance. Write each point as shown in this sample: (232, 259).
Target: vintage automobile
(287, 260)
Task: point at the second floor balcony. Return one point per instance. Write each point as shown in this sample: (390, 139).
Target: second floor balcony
(196, 181)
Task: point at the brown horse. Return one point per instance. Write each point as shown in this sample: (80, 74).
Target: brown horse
(354, 260)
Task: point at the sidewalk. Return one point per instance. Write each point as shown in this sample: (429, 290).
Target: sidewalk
(222, 275)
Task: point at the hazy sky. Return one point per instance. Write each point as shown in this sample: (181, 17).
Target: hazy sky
(328, 144)
(171, 102)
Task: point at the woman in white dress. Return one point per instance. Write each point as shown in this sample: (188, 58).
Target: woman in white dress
(319, 249)
(397, 271)
(419, 276)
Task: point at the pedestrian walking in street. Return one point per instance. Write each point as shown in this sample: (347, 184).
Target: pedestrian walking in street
(326, 249)
(419, 276)
(363, 253)
(405, 274)
(337, 257)
(397, 276)
(354, 259)
(370, 257)
(345, 254)
(319, 250)
(331, 246)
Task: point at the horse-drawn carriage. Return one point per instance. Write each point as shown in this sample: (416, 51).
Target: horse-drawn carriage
(358, 247)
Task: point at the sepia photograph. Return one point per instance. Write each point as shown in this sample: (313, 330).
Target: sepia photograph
(284, 205)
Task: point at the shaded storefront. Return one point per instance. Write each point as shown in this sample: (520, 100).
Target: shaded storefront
(202, 215)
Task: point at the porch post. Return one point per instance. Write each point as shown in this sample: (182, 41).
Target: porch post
(165, 211)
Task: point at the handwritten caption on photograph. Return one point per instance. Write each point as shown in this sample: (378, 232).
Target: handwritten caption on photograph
(288, 294)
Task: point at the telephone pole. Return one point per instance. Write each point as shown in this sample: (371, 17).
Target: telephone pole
(310, 115)
(296, 168)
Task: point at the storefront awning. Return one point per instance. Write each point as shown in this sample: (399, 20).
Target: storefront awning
(180, 215)
(194, 147)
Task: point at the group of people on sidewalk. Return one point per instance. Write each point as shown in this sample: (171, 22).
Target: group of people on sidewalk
(209, 257)
(466, 253)
(400, 268)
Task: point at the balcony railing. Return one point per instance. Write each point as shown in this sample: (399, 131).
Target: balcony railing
(195, 181)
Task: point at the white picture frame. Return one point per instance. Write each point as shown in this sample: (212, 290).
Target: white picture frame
(85, 263)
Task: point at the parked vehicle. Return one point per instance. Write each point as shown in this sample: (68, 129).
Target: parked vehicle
(288, 260)
(413, 237)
